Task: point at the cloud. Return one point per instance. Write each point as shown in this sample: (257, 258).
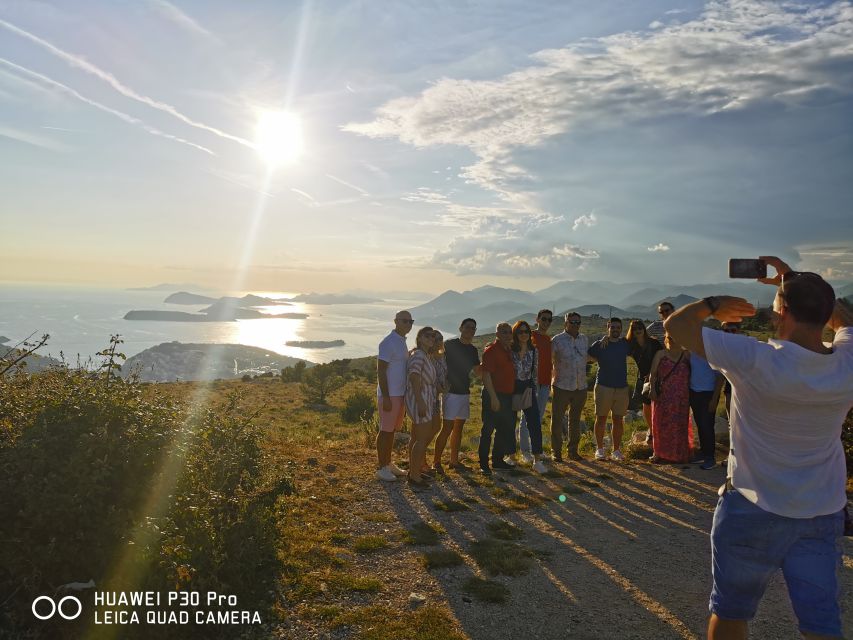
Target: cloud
(658, 248)
(31, 139)
(532, 246)
(178, 17)
(833, 261)
(349, 185)
(115, 112)
(84, 65)
(585, 221)
(735, 54)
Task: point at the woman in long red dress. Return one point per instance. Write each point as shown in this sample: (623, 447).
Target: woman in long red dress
(671, 407)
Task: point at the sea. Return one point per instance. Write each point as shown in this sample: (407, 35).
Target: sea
(81, 321)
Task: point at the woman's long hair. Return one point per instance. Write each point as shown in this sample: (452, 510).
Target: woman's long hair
(631, 336)
(516, 343)
(419, 337)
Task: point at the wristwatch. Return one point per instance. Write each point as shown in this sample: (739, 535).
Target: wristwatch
(713, 303)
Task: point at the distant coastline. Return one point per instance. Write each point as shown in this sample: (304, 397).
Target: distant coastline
(315, 344)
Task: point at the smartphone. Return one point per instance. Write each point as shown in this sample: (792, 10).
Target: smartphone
(747, 268)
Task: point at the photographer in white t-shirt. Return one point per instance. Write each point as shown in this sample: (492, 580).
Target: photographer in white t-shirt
(782, 506)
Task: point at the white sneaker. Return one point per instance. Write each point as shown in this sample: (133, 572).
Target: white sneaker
(600, 455)
(386, 474)
(617, 456)
(539, 467)
(509, 461)
(397, 471)
(527, 457)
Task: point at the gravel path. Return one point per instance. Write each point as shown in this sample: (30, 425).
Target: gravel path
(625, 555)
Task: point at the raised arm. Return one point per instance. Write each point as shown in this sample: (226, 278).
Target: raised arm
(685, 324)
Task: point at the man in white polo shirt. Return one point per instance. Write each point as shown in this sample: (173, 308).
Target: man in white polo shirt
(782, 505)
(391, 389)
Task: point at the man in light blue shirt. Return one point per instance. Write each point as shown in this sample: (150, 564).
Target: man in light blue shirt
(705, 386)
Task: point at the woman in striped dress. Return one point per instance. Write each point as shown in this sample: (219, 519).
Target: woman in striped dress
(421, 398)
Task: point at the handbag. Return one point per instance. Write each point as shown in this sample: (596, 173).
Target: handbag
(647, 389)
(523, 400)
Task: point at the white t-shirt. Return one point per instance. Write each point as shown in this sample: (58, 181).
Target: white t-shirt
(788, 406)
(394, 351)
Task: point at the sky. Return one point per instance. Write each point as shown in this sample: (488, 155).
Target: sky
(443, 144)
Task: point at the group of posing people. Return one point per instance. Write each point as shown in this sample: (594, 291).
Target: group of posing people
(782, 505)
(520, 371)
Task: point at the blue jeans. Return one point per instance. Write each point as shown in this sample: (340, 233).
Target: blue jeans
(704, 420)
(541, 401)
(748, 546)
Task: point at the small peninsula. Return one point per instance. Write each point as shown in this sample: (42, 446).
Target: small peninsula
(315, 344)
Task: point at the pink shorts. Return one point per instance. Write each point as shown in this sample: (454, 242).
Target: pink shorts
(391, 420)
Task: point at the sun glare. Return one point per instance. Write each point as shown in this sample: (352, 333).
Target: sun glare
(278, 137)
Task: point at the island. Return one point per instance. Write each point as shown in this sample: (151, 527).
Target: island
(184, 297)
(172, 361)
(249, 300)
(215, 314)
(315, 344)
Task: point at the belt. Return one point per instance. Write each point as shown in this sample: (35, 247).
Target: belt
(728, 486)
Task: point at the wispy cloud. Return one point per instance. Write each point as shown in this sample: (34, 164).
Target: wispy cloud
(81, 63)
(115, 112)
(311, 199)
(585, 221)
(348, 184)
(735, 54)
(178, 17)
(658, 248)
(31, 139)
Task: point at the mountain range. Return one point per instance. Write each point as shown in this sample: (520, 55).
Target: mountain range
(490, 304)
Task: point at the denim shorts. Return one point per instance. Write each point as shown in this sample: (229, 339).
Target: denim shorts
(748, 545)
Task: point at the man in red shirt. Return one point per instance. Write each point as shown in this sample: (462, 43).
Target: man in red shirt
(542, 342)
(498, 386)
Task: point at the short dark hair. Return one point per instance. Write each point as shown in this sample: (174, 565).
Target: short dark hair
(572, 314)
(809, 298)
(543, 311)
(462, 324)
(614, 319)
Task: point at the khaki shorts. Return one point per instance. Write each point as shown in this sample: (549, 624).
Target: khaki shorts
(608, 399)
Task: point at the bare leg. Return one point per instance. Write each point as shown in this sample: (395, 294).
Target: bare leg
(647, 414)
(384, 444)
(417, 453)
(600, 423)
(721, 629)
(456, 440)
(617, 432)
(441, 441)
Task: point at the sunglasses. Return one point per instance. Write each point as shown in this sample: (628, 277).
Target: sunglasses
(575, 322)
(665, 311)
(404, 320)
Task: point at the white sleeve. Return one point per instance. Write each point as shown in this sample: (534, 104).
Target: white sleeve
(843, 339)
(386, 352)
(730, 352)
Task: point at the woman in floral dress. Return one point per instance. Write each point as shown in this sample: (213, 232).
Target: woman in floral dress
(671, 406)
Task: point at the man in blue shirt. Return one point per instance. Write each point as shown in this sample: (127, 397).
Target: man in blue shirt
(705, 386)
(611, 386)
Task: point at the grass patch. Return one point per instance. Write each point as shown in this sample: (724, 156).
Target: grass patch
(604, 476)
(520, 502)
(449, 505)
(498, 557)
(497, 508)
(340, 582)
(369, 544)
(323, 612)
(485, 590)
(503, 530)
(440, 558)
(338, 538)
(423, 533)
(377, 622)
(378, 517)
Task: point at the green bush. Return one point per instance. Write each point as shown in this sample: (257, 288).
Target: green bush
(320, 381)
(106, 479)
(358, 406)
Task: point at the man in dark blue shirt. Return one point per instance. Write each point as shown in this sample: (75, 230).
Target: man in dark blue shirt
(611, 386)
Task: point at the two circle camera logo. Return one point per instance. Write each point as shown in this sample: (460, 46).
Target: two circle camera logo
(57, 607)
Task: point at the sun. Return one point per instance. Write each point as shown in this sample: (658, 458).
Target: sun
(278, 137)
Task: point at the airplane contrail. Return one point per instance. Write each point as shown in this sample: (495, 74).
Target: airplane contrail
(115, 112)
(115, 83)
